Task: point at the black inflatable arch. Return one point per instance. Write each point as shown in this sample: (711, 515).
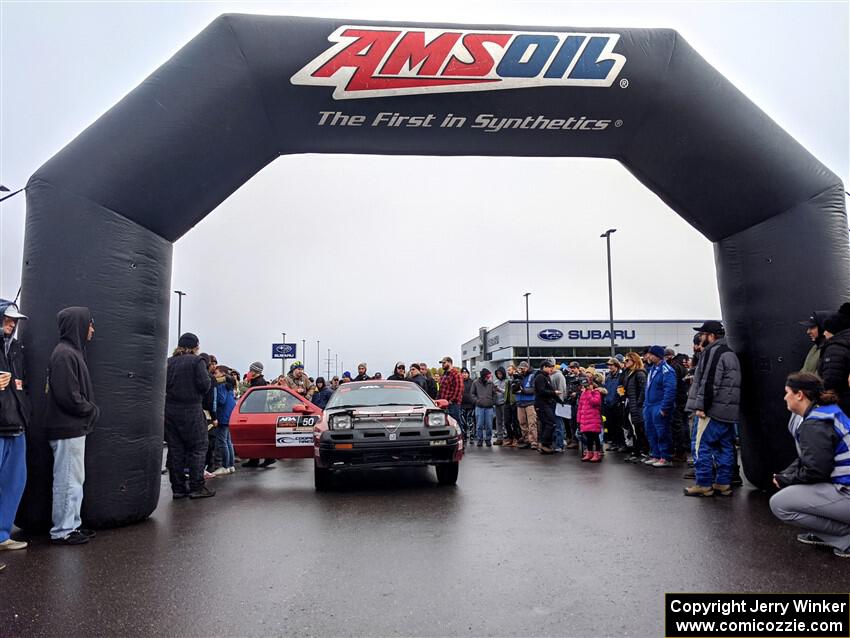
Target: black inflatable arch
(102, 214)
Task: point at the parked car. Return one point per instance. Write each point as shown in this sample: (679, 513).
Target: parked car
(273, 422)
(377, 424)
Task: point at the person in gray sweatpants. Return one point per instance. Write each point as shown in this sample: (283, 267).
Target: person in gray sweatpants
(814, 491)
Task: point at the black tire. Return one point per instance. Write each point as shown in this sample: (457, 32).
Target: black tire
(447, 473)
(322, 478)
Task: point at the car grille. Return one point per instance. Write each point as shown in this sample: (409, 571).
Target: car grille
(392, 420)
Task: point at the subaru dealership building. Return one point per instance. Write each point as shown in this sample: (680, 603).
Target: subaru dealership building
(584, 341)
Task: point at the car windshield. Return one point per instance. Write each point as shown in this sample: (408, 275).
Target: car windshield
(268, 401)
(361, 395)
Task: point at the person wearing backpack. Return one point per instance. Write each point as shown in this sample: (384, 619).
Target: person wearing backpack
(715, 399)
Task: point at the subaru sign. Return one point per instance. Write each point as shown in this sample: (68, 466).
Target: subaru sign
(550, 334)
(283, 351)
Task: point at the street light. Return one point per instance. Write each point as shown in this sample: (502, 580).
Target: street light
(3, 189)
(607, 236)
(318, 364)
(180, 294)
(527, 337)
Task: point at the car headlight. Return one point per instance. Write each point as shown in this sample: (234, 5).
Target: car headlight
(436, 419)
(341, 422)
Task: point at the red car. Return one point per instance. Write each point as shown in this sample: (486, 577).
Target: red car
(273, 422)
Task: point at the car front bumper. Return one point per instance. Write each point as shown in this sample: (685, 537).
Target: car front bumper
(361, 449)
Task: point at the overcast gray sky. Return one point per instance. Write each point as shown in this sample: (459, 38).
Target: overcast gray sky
(305, 248)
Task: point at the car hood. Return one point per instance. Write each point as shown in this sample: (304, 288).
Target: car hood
(381, 410)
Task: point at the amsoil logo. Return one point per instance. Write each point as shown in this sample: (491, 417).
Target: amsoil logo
(368, 61)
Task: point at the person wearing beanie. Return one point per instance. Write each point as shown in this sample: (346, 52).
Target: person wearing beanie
(188, 341)
(346, 377)
(714, 398)
(255, 379)
(398, 372)
(613, 404)
(834, 364)
(484, 397)
(679, 426)
(299, 382)
(361, 373)
(658, 408)
(187, 381)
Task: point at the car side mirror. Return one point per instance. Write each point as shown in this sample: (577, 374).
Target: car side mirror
(442, 403)
(300, 408)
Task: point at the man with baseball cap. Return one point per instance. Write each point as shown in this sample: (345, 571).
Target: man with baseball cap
(14, 418)
(714, 398)
(814, 329)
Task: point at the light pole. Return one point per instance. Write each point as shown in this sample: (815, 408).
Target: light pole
(527, 337)
(318, 364)
(607, 236)
(180, 294)
(283, 360)
(304, 350)
(3, 189)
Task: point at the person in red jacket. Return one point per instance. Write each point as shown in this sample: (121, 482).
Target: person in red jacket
(451, 388)
(590, 416)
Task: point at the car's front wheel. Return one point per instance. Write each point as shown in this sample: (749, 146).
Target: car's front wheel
(447, 473)
(321, 478)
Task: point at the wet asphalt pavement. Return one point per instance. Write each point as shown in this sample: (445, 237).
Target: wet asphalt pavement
(523, 546)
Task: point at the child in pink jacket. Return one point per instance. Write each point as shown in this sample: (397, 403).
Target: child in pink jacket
(590, 417)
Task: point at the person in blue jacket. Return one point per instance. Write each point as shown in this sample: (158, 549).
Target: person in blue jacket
(225, 401)
(658, 408)
(323, 393)
(524, 393)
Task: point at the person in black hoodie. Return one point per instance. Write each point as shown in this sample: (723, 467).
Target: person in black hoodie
(70, 417)
(187, 382)
(323, 393)
(14, 418)
(834, 365)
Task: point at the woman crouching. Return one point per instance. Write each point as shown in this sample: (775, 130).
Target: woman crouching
(814, 491)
